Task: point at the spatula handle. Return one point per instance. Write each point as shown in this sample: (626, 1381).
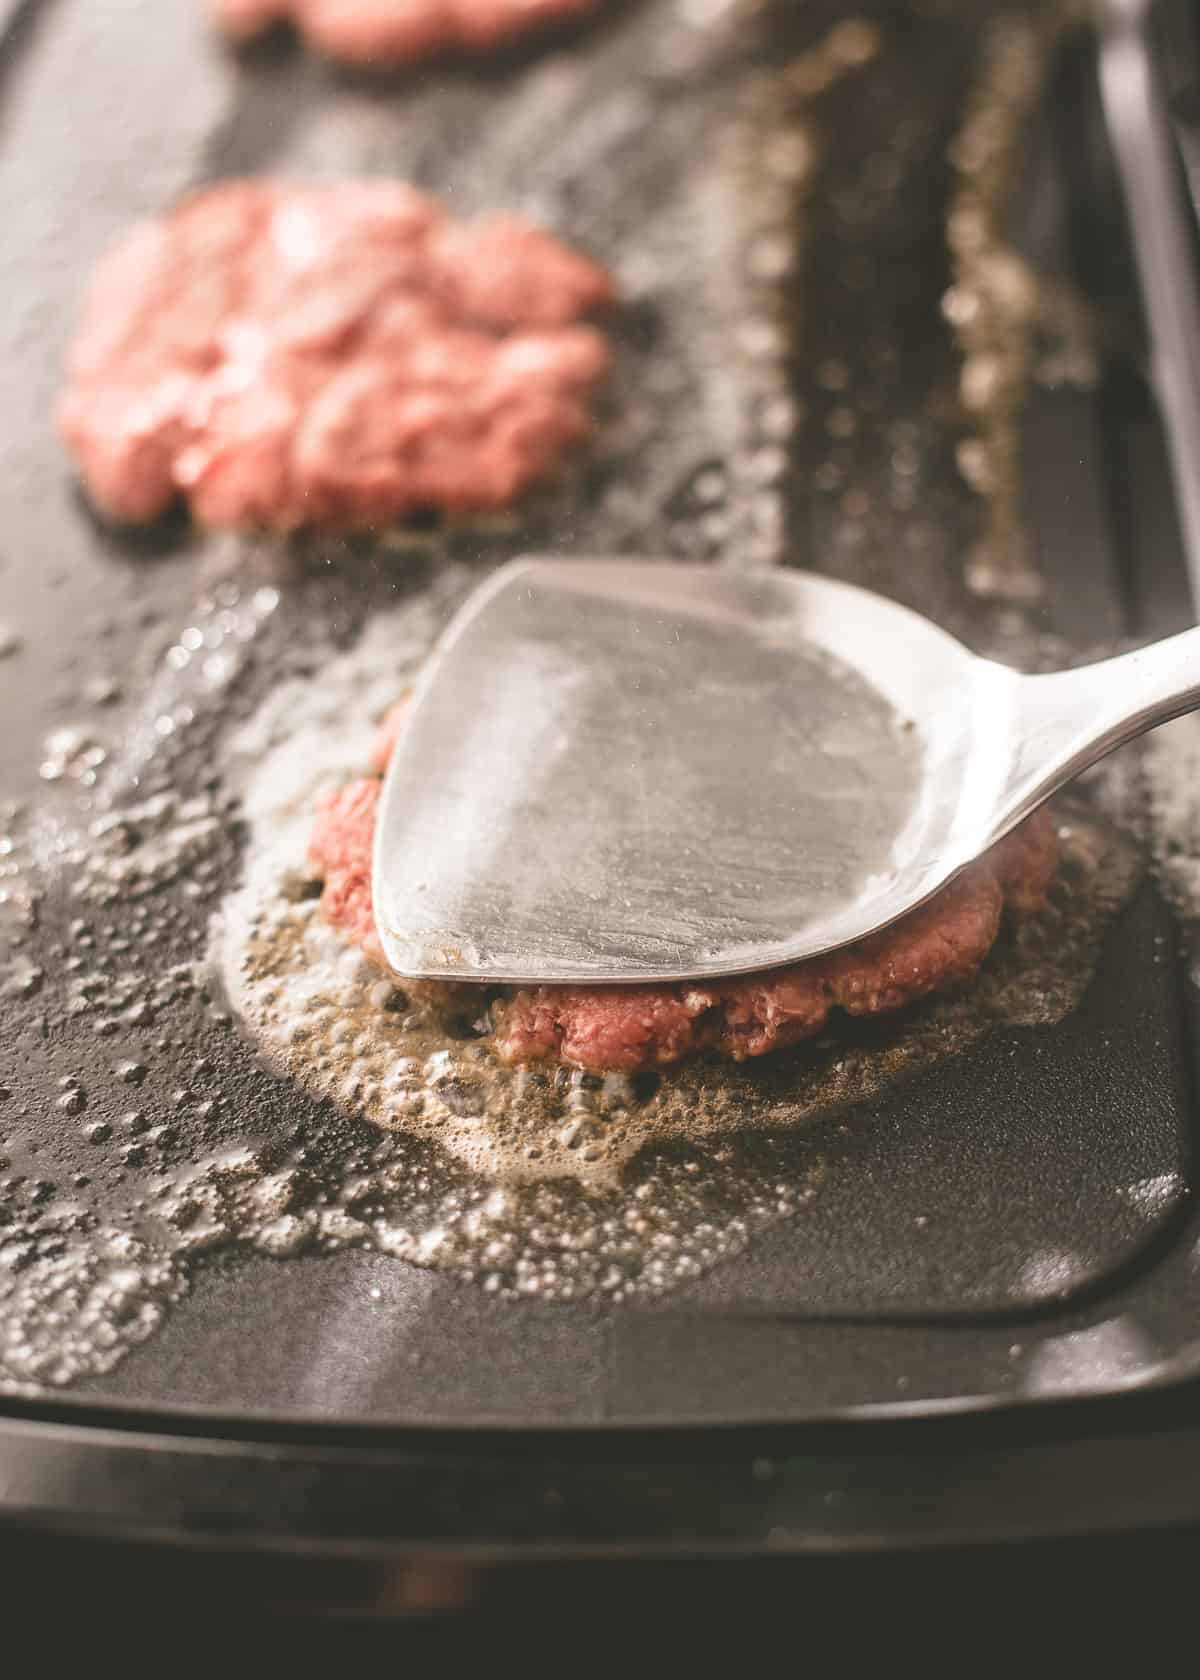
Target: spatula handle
(1069, 720)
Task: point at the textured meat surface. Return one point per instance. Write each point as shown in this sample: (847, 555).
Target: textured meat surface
(640, 1027)
(338, 356)
(391, 32)
(339, 854)
(603, 1027)
(1025, 862)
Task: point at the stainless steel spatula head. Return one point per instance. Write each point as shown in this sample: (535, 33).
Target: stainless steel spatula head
(620, 771)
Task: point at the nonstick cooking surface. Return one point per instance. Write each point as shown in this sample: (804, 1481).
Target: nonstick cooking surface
(775, 200)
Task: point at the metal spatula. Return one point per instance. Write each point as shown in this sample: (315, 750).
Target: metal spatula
(626, 771)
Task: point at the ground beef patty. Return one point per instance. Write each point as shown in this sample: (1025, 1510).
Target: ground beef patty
(329, 355)
(390, 32)
(652, 1026)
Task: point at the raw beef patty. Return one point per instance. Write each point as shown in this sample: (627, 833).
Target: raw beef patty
(651, 1026)
(390, 32)
(335, 356)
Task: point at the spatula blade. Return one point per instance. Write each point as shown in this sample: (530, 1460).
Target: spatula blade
(622, 771)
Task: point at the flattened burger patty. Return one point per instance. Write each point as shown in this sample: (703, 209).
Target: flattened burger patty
(639, 1027)
(391, 32)
(331, 356)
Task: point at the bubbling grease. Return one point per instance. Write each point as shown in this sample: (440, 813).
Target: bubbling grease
(332, 1023)
(998, 306)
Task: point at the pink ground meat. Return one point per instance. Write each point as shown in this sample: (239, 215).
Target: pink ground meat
(640, 1027)
(339, 854)
(392, 32)
(335, 356)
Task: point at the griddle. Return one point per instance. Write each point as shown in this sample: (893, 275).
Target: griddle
(1002, 1249)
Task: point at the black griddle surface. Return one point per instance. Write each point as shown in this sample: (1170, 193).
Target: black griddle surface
(1014, 1226)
